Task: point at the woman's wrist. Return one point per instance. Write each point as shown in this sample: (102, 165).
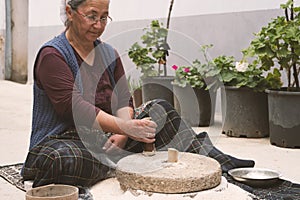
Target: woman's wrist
(110, 123)
(121, 126)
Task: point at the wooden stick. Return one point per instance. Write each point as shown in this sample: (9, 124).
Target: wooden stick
(149, 148)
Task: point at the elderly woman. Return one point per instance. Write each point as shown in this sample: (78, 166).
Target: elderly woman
(83, 116)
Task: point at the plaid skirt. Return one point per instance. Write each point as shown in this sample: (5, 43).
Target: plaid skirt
(77, 158)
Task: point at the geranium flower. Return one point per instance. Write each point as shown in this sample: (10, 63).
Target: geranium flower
(186, 69)
(175, 67)
(241, 66)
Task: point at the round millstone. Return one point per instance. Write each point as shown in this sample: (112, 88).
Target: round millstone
(191, 173)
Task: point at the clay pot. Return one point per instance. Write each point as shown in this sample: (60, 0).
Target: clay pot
(53, 192)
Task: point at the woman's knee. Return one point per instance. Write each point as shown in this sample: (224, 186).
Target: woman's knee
(64, 161)
(163, 112)
(165, 104)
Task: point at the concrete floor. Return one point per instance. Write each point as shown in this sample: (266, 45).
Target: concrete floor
(15, 121)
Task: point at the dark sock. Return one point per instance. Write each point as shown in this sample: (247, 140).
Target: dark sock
(236, 163)
(227, 162)
(241, 163)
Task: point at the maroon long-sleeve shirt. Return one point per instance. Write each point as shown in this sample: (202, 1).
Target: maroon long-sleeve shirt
(53, 75)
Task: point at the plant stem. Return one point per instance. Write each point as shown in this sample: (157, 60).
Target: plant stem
(286, 14)
(169, 15)
(294, 65)
(295, 74)
(168, 25)
(292, 10)
(159, 69)
(289, 77)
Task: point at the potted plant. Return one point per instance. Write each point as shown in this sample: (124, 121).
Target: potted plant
(244, 102)
(277, 47)
(195, 91)
(150, 57)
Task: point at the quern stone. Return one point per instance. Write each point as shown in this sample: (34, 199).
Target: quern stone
(191, 173)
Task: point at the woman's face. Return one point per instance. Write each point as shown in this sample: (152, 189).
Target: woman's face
(88, 20)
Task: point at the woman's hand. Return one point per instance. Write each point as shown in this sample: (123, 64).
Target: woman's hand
(142, 130)
(115, 143)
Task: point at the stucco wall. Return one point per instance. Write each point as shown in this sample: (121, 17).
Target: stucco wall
(228, 32)
(2, 55)
(227, 24)
(46, 12)
(2, 38)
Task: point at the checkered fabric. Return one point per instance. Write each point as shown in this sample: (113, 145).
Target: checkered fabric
(77, 158)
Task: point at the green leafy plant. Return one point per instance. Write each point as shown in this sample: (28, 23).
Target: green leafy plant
(149, 57)
(199, 74)
(225, 70)
(152, 54)
(188, 75)
(277, 45)
(244, 74)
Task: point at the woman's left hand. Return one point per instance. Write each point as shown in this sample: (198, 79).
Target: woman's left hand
(115, 143)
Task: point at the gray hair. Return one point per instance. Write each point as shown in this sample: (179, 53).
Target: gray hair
(74, 4)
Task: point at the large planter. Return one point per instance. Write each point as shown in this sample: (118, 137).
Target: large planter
(158, 87)
(196, 106)
(284, 118)
(244, 112)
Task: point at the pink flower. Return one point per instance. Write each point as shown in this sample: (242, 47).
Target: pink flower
(175, 67)
(186, 70)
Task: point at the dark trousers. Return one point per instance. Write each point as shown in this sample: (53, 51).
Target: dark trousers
(77, 158)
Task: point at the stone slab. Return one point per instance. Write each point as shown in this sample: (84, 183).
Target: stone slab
(191, 173)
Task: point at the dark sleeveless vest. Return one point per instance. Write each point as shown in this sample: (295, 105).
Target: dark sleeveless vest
(45, 121)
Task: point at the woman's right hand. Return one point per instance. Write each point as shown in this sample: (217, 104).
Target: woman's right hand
(142, 130)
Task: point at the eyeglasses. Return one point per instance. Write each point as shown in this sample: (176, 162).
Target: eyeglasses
(93, 19)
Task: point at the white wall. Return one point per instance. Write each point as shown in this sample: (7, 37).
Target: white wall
(46, 12)
(190, 17)
(139, 9)
(2, 44)
(2, 14)
(230, 28)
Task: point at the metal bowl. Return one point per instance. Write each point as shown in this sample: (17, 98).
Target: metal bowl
(255, 177)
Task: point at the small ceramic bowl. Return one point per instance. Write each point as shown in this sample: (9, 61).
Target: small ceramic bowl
(53, 192)
(255, 177)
